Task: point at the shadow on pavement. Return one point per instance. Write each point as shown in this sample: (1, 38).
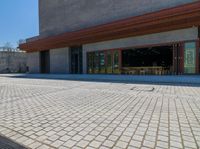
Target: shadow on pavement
(190, 81)
(6, 143)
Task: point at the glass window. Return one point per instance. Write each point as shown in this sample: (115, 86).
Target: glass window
(190, 57)
(109, 62)
(116, 59)
(96, 62)
(116, 69)
(102, 62)
(90, 62)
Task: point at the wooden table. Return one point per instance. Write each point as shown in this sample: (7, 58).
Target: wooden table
(157, 70)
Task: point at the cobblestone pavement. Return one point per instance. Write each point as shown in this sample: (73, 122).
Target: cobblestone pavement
(62, 114)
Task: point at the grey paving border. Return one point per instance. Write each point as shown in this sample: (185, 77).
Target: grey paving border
(184, 80)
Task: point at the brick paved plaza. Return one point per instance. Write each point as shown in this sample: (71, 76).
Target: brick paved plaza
(42, 114)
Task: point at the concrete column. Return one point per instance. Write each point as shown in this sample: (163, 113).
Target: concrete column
(33, 62)
(59, 60)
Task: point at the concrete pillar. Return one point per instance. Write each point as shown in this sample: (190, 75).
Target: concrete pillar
(59, 60)
(33, 62)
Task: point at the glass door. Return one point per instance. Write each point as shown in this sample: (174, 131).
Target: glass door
(109, 62)
(76, 60)
(116, 62)
(101, 62)
(90, 60)
(96, 62)
(102, 69)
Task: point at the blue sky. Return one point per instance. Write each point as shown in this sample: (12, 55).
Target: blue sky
(18, 20)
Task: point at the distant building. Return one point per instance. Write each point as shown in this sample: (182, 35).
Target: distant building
(13, 62)
(116, 37)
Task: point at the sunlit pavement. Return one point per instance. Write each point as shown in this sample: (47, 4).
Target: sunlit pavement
(47, 113)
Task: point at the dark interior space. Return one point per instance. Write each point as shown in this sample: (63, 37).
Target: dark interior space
(153, 58)
(76, 59)
(44, 62)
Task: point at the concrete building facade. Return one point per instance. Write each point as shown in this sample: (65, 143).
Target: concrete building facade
(116, 37)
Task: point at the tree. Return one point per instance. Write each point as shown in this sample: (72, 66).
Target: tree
(8, 47)
(9, 51)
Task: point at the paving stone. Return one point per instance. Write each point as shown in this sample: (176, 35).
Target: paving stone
(113, 138)
(100, 138)
(42, 113)
(135, 143)
(62, 147)
(65, 138)
(163, 138)
(83, 143)
(95, 144)
(43, 147)
(70, 143)
(41, 138)
(125, 138)
(109, 143)
(89, 137)
(77, 138)
(35, 145)
(61, 133)
(122, 144)
(149, 144)
(50, 133)
(57, 143)
(28, 142)
(162, 144)
(53, 138)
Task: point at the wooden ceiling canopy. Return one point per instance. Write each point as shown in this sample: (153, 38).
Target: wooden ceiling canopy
(180, 17)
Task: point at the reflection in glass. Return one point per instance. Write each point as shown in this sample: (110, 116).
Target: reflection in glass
(96, 62)
(109, 62)
(90, 62)
(116, 62)
(189, 57)
(102, 62)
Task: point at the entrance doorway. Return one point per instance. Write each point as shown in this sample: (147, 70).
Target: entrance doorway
(76, 60)
(44, 62)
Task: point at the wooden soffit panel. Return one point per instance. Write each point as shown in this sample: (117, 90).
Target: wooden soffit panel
(180, 17)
